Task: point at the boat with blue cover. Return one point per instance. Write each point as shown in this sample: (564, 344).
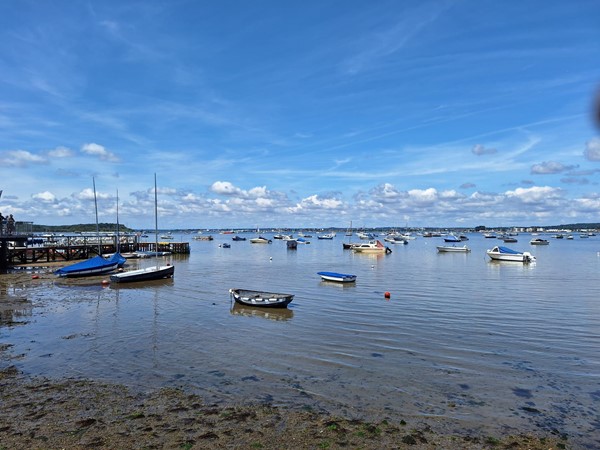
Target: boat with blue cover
(500, 253)
(338, 277)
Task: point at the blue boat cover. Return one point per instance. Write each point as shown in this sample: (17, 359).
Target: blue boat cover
(118, 258)
(97, 262)
(335, 274)
(508, 250)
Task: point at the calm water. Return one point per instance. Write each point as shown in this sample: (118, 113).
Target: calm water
(486, 345)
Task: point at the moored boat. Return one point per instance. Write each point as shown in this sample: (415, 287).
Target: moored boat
(338, 277)
(238, 238)
(145, 274)
(93, 266)
(262, 299)
(500, 253)
(260, 240)
(452, 249)
(539, 241)
(371, 247)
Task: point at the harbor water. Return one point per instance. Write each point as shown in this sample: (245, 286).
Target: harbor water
(498, 346)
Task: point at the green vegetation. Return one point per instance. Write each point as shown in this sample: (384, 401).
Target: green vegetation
(82, 227)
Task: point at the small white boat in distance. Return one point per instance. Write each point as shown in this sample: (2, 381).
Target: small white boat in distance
(499, 253)
(339, 277)
(539, 241)
(260, 240)
(452, 249)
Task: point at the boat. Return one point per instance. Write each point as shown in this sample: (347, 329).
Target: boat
(260, 298)
(225, 245)
(452, 249)
(326, 236)
(539, 241)
(238, 238)
(451, 238)
(98, 265)
(509, 239)
(155, 272)
(371, 247)
(201, 238)
(301, 240)
(500, 253)
(145, 274)
(260, 240)
(338, 277)
(291, 244)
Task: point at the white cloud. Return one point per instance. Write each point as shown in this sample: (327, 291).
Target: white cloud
(20, 158)
(535, 194)
(60, 152)
(551, 167)
(44, 196)
(99, 151)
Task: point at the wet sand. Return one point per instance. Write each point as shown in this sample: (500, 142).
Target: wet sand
(76, 414)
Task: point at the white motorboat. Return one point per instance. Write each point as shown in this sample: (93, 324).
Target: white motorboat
(371, 247)
(499, 253)
(539, 241)
(260, 240)
(452, 249)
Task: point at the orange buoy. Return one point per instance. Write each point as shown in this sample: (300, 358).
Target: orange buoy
(387, 295)
(105, 282)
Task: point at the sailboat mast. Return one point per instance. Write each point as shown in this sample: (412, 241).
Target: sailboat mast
(156, 218)
(97, 226)
(118, 246)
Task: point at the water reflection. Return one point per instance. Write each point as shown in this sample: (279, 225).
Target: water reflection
(265, 313)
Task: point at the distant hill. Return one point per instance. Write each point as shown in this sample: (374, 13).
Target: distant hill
(82, 227)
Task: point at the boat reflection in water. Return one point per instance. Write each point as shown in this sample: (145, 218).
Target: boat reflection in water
(265, 313)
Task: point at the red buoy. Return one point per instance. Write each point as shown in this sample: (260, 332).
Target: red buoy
(387, 295)
(34, 277)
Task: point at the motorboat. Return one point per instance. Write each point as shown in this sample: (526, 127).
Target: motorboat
(539, 241)
(452, 249)
(260, 298)
(337, 277)
(260, 240)
(451, 238)
(500, 253)
(371, 247)
(326, 236)
(238, 238)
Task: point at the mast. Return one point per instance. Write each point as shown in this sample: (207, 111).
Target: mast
(97, 226)
(156, 218)
(118, 246)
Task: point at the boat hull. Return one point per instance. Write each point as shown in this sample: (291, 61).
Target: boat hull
(147, 274)
(505, 254)
(261, 299)
(453, 249)
(337, 277)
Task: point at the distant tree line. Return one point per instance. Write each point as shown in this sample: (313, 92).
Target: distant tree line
(82, 227)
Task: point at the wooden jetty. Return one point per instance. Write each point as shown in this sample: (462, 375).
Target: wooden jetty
(25, 249)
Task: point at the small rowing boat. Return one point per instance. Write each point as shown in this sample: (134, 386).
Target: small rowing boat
(263, 299)
(338, 277)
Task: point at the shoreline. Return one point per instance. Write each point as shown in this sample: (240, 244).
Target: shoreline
(77, 413)
(73, 414)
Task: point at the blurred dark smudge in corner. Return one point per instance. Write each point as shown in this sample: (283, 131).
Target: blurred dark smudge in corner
(596, 111)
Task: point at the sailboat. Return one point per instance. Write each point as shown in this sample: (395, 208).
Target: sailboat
(152, 272)
(97, 265)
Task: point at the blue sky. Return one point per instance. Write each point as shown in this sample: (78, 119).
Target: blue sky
(300, 114)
